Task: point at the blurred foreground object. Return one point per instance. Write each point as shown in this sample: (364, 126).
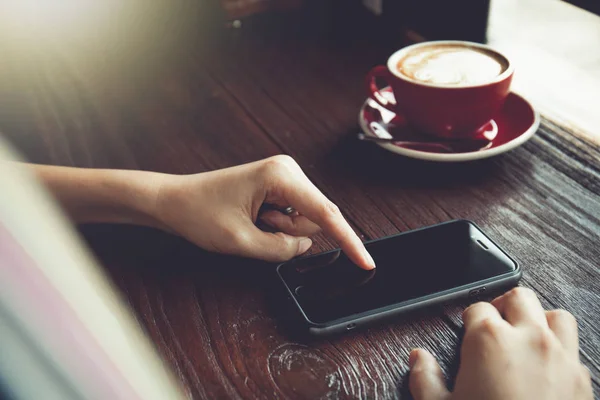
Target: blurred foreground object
(65, 332)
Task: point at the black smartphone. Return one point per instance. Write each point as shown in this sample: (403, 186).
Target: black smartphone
(414, 269)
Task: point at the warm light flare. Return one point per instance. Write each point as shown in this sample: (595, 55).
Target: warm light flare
(107, 44)
(50, 16)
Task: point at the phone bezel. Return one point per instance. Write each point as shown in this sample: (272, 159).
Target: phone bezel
(374, 315)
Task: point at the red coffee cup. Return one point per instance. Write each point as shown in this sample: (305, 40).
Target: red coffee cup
(448, 111)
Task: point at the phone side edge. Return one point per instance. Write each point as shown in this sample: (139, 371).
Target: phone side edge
(366, 320)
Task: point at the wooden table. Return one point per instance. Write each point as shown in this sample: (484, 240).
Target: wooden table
(203, 106)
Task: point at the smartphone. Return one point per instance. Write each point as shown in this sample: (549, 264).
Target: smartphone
(415, 269)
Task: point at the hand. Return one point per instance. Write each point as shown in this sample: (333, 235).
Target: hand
(218, 211)
(512, 349)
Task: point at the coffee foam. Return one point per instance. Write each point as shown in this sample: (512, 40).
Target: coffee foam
(452, 65)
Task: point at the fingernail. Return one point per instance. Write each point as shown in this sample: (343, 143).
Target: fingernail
(413, 358)
(304, 245)
(370, 260)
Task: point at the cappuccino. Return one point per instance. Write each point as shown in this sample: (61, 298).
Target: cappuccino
(451, 65)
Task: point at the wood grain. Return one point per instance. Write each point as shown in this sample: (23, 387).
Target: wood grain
(223, 102)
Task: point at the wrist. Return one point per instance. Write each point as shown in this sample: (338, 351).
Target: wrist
(166, 200)
(138, 194)
(175, 196)
(101, 195)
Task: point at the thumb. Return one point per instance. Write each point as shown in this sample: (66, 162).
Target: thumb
(426, 380)
(274, 247)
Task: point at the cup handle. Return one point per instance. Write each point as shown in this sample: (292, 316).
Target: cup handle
(373, 90)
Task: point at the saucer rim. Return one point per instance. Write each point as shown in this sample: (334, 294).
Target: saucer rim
(459, 157)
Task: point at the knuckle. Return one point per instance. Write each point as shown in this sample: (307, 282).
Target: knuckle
(521, 292)
(544, 340)
(284, 159)
(489, 327)
(330, 210)
(278, 168)
(486, 331)
(239, 239)
(562, 316)
(473, 308)
(279, 162)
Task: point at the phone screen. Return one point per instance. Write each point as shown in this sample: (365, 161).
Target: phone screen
(409, 266)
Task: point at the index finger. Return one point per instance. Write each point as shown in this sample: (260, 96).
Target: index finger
(305, 197)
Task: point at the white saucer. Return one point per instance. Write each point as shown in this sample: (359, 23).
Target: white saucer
(517, 121)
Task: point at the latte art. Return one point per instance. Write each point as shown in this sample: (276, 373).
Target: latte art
(451, 65)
